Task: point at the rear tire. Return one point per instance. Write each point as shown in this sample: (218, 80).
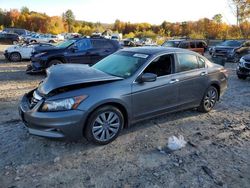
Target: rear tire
(241, 77)
(209, 100)
(54, 62)
(15, 57)
(104, 125)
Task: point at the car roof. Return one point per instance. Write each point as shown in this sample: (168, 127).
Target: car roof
(155, 50)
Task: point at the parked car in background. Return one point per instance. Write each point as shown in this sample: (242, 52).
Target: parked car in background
(9, 38)
(198, 46)
(80, 50)
(237, 53)
(226, 48)
(243, 69)
(131, 85)
(24, 51)
(131, 42)
(42, 38)
(18, 31)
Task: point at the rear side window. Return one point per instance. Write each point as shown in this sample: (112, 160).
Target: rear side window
(201, 44)
(101, 44)
(192, 45)
(187, 62)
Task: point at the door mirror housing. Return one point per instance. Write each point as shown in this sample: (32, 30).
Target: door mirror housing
(147, 77)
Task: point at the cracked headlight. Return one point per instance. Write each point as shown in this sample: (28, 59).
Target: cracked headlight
(63, 104)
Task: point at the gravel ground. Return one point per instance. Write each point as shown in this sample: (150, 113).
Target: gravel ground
(217, 153)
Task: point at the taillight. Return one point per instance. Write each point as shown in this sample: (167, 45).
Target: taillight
(224, 71)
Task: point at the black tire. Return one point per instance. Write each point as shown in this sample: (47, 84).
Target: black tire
(209, 100)
(51, 41)
(15, 57)
(54, 62)
(33, 41)
(102, 128)
(242, 77)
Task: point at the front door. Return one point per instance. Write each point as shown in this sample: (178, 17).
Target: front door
(151, 98)
(79, 52)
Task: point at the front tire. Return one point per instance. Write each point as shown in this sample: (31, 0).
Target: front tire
(15, 57)
(104, 125)
(209, 100)
(54, 62)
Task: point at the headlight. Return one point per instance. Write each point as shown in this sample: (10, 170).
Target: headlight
(62, 104)
(40, 54)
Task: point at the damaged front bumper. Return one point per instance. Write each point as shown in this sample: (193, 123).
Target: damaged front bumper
(63, 124)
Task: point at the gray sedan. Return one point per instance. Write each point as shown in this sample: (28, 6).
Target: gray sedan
(126, 87)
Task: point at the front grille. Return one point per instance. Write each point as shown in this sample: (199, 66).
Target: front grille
(35, 99)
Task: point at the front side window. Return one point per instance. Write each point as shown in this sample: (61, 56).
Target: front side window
(83, 45)
(192, 44)
(187, 62)
(161, 66)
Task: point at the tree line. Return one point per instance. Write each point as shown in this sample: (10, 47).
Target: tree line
(203, 29)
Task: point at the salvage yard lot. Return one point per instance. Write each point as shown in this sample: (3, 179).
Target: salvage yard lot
(217, 153)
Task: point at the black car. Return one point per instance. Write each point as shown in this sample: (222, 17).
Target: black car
(243, 69)
(226, 48)
(9, 38)
(80, 50)
(237, 53)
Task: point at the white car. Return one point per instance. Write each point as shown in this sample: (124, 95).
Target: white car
(23, 51)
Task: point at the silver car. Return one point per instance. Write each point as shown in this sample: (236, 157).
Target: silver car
(128, 86)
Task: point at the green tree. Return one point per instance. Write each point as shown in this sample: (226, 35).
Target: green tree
(25, 10)
(241, 9)
(69, 18)
(217, 18)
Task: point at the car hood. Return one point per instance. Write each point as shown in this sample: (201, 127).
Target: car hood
(61, 75)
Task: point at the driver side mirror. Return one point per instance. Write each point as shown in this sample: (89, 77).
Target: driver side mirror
(147, 77)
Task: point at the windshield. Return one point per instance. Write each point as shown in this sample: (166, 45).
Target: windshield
(171, 43)
(231, 43)
(121, 64)
(65, 44)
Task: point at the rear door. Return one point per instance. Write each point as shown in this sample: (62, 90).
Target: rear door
(192, 77)
(79, 52)
(151, 98)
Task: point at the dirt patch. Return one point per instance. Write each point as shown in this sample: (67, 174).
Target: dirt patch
(216, 155)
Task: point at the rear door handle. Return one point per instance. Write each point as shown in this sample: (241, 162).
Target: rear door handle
(173, 81)
(203, 73)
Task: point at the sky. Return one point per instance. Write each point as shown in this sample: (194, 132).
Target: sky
(134, 11)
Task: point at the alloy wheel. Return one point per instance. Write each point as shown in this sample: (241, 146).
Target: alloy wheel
(210, 99)
(106, 126)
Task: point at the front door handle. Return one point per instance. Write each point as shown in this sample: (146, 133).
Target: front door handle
(203, 73)
(174, 81)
